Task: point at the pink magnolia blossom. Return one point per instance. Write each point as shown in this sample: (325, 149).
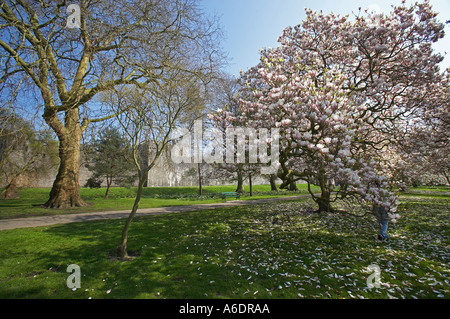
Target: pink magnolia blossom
(341, 92)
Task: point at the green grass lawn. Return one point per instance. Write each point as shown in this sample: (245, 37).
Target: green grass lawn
(27, 205)
(276, 250)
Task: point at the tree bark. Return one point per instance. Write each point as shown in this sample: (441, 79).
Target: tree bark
(8, 189)
(108, 185)
(240, 180)
(293, 185)
(122, 249)
(200, 190)
(65, 191)
(324, 201)
(273, 185)
(289, 182)
(250, 184)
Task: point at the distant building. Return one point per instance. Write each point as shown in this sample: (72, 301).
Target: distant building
(165, 173)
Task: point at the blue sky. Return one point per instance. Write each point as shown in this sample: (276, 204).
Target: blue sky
(250, 25)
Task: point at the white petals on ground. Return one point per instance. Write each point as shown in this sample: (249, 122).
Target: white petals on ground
(285, 249)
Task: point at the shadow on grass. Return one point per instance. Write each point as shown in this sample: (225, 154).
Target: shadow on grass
(164, 267)
(239, 252)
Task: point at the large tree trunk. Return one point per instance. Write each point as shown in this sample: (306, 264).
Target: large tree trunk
(65, 191)
(293, 185)
(324, 201)
(273, 185)
(240, 180)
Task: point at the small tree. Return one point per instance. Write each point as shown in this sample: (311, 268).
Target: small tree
(109, 158)
(152, 117)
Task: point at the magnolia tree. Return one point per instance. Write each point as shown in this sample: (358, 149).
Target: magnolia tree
(338, 90)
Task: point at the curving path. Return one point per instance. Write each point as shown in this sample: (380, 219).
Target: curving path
(14, 223)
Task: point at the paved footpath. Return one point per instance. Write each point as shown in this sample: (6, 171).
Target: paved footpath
(77, 218)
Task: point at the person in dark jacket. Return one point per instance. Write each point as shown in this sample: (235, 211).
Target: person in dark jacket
(383, 221)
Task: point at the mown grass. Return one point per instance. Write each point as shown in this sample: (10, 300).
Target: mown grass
(277, 250)
(30, 199)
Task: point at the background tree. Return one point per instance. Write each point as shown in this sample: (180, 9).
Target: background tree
(117, 42)
(108, 157)
(24, 153)
(224, 95)
(425, 148)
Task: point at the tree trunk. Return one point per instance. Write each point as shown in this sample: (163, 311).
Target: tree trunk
(8, 189)
(65, 191)
(289, 183)
(293, 185)
(284, 183)
(200, 190)
(108, 185)
(324, 201)
(273, 185)
(240, 185)
(122, 249)
(250, 184)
